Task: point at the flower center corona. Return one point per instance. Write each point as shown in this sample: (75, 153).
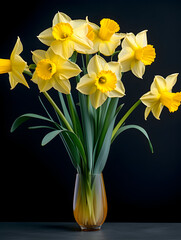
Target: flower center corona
(107, 29)
(106, 81)
(45, 69)
(146, 54)
(62, 31)
(171, 100)
(5, 65)
(90, 34)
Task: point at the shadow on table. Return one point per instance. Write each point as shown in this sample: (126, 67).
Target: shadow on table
(70, 227)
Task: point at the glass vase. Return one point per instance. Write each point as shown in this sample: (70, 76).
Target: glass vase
(90, 201)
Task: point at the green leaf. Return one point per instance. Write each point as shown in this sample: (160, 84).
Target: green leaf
(72, 150)
(142, 130)
(110, 115)
(77, 143)
(119, 108)
(88, 128)
(74, 116)
(103, 143)
(73, 58)
(48, 137)
(43, 105)
(25, 117)
(126, 115)
(40, 127)
(65, 110)
(104, 152)
(72, 143)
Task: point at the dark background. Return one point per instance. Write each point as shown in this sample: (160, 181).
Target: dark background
(37, 183)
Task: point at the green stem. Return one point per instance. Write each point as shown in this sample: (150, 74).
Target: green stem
(69, 100)
(60, 114)
(117, 52)
(123, 119)
(83, 64)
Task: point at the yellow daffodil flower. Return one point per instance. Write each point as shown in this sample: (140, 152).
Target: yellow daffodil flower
(103, 80)
(161, 95)
(136, 53)
(66, 35)
(105, 38)
(14, 66)
(53, 71)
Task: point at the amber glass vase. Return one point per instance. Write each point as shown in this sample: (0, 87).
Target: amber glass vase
(90, 201)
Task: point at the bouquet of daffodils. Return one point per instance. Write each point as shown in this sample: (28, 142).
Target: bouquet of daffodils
(87, 128)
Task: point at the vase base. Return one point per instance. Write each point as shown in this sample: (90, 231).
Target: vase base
(90, 228)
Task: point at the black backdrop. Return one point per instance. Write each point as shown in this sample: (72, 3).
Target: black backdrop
(37, 183)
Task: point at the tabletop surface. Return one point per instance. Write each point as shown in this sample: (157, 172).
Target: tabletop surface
(113, 231)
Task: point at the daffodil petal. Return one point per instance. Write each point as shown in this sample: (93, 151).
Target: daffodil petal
(18, 48)
(108, 47)
(119, 91)
(78, 23)
(68, 69)
(159, 83)
(64, 49)
(18, 64)
(13, 81)
(38, 55)
(62, 85)
(61, 17)
(17, 77)
(97, 99)
(81, 44)
(95, 47)
(149, 99)
(125, 58)
(147, 112)
(120, 35)
(156, 110)
(130, 41)
(141, 38)
(96, 65)
(137, 68)
(79, 37)
(86, 85)
(171, 80)
(114, 67)
(46, 37)
(42, 84)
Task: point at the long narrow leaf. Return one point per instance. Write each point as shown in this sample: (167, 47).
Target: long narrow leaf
(74, 116)
(104, 152)
(40, 127)
(77, 143)
(107, 121)
(71, 150)
(25, 117)
(103, 144)
(48, 137)
(142, 130)
(88, 127)
(43, 105)
(65, 110)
